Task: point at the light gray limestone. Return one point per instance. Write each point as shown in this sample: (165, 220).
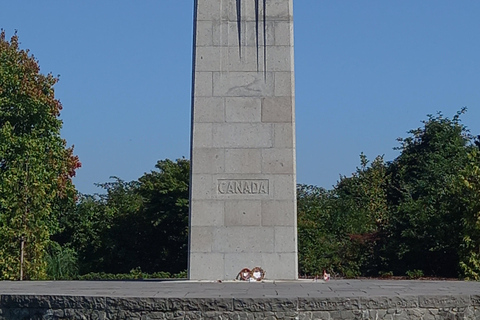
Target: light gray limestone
(243, 109)
(243, 160)
(277, 213)
(242, 135)
(243, 84)
(207, 213)
(243, 213)
(209, 109)
(209, 160)
(243, 179)
(278, 109)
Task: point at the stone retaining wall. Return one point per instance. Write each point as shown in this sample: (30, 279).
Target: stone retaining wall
(13, 307)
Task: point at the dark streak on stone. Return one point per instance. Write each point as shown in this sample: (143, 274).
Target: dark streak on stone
(265, 40)
(257, 2)
(239, 26)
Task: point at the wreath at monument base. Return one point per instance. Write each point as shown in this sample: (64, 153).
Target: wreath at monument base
(256, 274)
(244, 274)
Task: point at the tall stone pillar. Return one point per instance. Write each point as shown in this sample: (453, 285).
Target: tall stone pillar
(243, 198)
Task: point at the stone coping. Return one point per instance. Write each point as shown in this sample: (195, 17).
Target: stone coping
(237, 289)
(150, 299)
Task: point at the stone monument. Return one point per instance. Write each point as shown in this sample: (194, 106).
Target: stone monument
(243, 176)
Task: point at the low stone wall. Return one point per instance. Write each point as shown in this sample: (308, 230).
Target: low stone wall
(14, 307)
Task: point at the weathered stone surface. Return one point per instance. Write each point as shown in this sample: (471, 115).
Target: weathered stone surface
(389, 302)
(264, 305)
(328, 304)
(248, 309)
(444, 301)
(243, 213)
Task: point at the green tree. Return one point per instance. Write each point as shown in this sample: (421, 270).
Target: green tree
(165, 208)
(317, 239)
(469, 193)
(141, 223)
(36, 167)
(362, 201)
(426, 230)
(340, 230)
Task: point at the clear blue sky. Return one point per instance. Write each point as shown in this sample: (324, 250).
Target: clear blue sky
(366, 73)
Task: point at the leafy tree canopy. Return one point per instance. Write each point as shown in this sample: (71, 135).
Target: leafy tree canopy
(142, 223)
(36, 167)
(418, 214)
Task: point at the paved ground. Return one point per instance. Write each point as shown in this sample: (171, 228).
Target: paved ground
(279, 289)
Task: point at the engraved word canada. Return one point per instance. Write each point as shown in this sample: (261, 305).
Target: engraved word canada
(249, 186)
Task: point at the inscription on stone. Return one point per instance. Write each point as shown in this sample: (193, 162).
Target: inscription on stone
(249, 186)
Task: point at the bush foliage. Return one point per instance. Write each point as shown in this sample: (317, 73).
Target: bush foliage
(418, 212)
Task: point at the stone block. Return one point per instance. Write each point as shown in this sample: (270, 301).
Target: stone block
(238, 59)
(475, 299)
(208, 160)
(415, 313)
(185, 304)
(202, 135)
(239, 109)
(243, 59)
(284, 135)
(265, 36)
(156, 304)
(285, 240)
(243, 84)
(247, 10)
(328, 304)
(279, 213)
(209, 10)
(283, 33)
(279, 10)
(284, 187)
(244, 239)
(277, 109)
(241, 315)
(203, 239)
(203, 84)
(322, 315)
(209, 109)
(278, 160)
(243, 161)
(242, 135)
(204, 35)
(225, 33)
(155, 316)
(264, 305)
(404, 302)
(243, 213)
(217, 305)
(284, 84)
(280, 58)
(207, 213)
(210, 59)
(242, 187)
(221, 34)
(281, 266)
(206, 193)
(444, 301)
(207, 266)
